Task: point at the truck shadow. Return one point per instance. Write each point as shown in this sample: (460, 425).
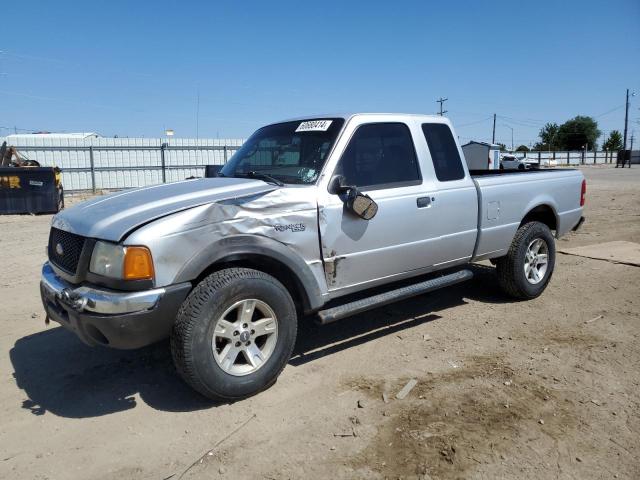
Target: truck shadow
(316, 341)
(61, 375)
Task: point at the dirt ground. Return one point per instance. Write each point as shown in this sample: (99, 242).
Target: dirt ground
(542, 389)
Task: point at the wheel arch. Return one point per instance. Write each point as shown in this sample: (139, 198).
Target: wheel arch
(544, 213)
(259, 253)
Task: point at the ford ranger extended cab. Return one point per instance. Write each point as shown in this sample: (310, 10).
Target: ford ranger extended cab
(312, 217)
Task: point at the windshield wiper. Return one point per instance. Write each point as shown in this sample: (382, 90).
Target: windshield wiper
(262, 176)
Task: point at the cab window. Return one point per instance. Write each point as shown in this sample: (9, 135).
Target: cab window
(380, 155)
(444, 151)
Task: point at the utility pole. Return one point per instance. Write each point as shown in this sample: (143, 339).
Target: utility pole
(626, 121)
(510, 127)
(198, 113)
(631, 150)
(493, 138)
(441, 102)
(626, 127)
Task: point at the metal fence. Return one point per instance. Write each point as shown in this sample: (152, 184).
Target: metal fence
(114, 163)
(579, 157)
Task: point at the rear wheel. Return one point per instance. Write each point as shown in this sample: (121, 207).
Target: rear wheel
(234, 334)
(527, 268)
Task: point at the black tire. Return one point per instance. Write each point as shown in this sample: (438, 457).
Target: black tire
(510, 268)
(192, 335)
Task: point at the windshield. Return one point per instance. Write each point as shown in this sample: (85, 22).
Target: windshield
(291, 152)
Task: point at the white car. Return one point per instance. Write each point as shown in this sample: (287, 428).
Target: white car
(511, 162)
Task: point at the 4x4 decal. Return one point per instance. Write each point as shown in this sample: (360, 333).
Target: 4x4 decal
(293, 227)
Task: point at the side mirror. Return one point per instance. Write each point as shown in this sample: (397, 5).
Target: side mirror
(362, 205)
(337, 185)
(356, 202)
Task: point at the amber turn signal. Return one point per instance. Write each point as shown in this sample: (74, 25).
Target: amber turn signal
(138, 264)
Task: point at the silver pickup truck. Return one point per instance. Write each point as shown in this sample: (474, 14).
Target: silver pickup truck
(303, 222)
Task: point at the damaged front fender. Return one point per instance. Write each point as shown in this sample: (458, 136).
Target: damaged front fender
(281, 224)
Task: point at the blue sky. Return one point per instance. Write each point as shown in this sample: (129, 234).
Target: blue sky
(135, 68)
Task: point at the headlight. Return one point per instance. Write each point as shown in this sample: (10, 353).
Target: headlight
(117, 261)
(107, 259)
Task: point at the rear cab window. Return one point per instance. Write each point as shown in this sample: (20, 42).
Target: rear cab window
(380, 155)
(444, 152)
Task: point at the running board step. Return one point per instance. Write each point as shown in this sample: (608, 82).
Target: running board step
(341, 311)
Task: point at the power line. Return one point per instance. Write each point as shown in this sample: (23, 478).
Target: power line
(529, 121)
(17, 129)
(522, 123)
(472, 123)
(609, 111)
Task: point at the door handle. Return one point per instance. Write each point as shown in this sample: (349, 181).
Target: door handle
(423, 202)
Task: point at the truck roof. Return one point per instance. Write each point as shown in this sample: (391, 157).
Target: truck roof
(349, 115)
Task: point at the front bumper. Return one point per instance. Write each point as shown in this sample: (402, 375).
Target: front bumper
(112, 318)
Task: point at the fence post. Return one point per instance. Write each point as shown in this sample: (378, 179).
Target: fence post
(162, 162)
(595, 154)
(225, 154)
(539, 157)
(554, 158)
(568, 158)
(93, 170)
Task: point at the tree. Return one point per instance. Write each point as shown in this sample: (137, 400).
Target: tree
(522, 148)
(614, 142)
(574, 134)
(548, 137)
(503, 147)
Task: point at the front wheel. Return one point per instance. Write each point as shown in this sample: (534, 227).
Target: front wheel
(234, 334)
(527, 268)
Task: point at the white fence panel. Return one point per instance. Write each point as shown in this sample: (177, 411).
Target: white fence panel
(138, 162)
(126, 162)
(569, 158)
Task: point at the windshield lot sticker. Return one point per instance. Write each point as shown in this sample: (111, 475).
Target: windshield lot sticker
(314, 126)
(293, 227)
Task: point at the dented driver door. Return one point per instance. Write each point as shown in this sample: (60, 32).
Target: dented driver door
(380, 159)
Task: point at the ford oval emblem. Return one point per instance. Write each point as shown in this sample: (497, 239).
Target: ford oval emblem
(59, 249)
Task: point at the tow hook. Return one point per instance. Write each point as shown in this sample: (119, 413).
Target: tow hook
(74, 300)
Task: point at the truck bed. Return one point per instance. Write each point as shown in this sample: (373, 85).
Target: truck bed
(504, 196)
(485, 173)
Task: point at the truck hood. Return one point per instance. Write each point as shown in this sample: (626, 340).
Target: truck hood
(112, 217)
